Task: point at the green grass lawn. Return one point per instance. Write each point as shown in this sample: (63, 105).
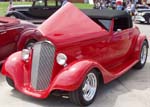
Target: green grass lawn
(4, 6)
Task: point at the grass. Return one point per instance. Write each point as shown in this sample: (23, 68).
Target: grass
(4, 6)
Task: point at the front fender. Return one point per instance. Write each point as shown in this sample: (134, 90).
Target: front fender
(71, 77)
(13, 68)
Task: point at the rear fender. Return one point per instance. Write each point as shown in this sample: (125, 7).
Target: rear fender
(140, 40)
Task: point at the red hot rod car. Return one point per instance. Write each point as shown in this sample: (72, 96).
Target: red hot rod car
(11, 35)
(75, 56)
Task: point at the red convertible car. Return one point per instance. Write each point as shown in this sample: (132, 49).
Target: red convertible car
(74, 57)
(12, 35)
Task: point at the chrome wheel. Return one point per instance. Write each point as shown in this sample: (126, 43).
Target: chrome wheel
(89, 87)
(143, 54)
(86, 93)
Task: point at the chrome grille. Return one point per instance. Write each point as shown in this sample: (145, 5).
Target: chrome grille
(42, 65)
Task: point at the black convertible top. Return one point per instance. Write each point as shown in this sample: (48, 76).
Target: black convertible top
(105, 13)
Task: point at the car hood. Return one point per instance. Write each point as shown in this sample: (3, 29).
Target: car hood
(68, 25)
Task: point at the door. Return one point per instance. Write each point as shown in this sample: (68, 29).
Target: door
(119, 46)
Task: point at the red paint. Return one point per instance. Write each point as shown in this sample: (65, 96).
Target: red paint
(10, 33)
(86, 45)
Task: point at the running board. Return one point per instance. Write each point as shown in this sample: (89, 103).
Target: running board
(123, 67)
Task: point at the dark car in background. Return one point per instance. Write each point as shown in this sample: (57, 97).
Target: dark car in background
(36, 13)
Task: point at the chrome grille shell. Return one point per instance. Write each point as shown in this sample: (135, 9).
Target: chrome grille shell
(42, 65)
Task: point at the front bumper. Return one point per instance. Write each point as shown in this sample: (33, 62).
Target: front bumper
(140, 18)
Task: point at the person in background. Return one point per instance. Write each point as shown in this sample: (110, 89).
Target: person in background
(132, 8)
(119, 4)
(128, 8)
(100, 4)
(133, 4)
(10, 5)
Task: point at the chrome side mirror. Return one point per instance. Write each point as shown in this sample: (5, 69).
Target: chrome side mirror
(119, 30)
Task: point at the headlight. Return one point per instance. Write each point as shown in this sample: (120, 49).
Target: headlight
(141, 14)
(25, 54)
(61, 59)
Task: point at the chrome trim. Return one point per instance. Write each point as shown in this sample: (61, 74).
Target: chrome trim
(89, 87)
(14, 28)
(42, 64)
(143, 54)
(2, 31)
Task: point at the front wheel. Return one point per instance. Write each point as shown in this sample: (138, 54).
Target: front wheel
(86, 93)
(143, 56)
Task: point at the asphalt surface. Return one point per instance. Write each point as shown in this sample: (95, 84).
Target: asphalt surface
(106, 97)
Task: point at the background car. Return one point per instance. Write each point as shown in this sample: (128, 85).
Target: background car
(36, 13)
(74, 57)
(11, 33)
(143, 14)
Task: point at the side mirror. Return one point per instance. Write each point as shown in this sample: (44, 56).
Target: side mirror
(119, 30)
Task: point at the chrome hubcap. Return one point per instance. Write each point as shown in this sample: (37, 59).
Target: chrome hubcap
(143, 54)
(89, 87)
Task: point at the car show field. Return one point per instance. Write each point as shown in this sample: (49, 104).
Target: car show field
(96, 58)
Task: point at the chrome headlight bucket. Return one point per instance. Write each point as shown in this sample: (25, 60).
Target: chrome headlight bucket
(61, 59)
(25, 54)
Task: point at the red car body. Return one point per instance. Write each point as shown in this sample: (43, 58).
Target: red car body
(11, 31)
(86, 45)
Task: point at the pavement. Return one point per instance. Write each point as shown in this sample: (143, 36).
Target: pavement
(130, 90)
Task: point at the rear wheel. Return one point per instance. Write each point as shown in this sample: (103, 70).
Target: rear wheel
(10, 82)
(148, 20)
(143, 56)
(86, 93)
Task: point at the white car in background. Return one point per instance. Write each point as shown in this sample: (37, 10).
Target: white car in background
(143, 14)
